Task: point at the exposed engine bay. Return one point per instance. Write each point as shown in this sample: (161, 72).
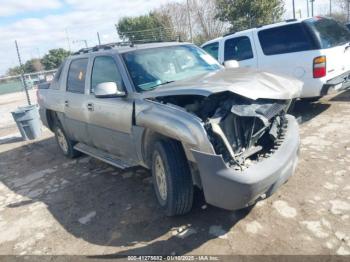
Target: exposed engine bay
(242, 130)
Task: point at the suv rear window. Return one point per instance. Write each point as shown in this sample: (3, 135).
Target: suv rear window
(76, 76)
(285, 39)
(328, 32)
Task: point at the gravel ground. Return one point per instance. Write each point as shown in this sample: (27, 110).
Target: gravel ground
(53, 205)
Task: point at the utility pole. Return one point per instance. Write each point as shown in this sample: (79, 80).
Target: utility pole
(312, 8)
(83, 40)
(330, 7)
(68, 40)
(98, 37)
(293, 3)
(22, 73)
(348, 10)
(307, 8)
(189, 20)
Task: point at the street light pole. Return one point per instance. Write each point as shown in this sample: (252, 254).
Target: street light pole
(307, 8)
(312, 8)
(330, 7)
(293, 3)
(189, 20)
(98, 37)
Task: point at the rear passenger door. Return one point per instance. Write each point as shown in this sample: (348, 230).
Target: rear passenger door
(110, 119)
(240, 48)
(75, 110)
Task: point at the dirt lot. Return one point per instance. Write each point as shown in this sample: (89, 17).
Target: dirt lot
(52, 205)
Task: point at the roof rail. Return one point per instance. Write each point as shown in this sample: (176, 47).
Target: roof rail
(230, 33)
(290, 20)
(101, 47)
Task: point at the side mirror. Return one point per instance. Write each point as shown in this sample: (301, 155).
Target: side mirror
(231, 64)
(108, 89)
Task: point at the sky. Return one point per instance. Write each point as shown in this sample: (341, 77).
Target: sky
(40, 25)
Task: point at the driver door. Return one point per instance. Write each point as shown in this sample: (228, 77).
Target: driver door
(110, 119)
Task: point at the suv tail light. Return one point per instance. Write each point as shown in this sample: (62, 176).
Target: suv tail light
(319, 67)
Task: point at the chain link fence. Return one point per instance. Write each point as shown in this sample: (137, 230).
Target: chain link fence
(11, 84)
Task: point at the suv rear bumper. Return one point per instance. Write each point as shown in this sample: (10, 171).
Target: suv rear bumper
(230, 189)
(336, 84)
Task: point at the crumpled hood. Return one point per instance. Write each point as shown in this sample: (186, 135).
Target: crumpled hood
(245, 82)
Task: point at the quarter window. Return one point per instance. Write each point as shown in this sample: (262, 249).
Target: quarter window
(238, 49)
(285, 39)
(105, 70)
(212, 49)
(77, 75)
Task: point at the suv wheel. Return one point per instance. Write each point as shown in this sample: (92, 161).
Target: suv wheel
(64, 143)
(172, 178)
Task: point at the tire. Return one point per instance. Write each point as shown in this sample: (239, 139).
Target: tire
(65, 144)
(177, 197)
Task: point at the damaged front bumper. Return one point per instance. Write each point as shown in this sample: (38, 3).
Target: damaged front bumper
(230, 189)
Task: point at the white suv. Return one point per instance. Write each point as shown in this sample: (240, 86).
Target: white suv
(314, 50)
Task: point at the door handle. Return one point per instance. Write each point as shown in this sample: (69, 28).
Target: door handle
(66, 104)
(90, 106)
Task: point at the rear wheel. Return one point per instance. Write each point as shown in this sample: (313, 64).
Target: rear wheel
(172, 178)
(65, 144)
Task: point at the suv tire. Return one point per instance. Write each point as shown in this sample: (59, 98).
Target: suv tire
(65, 144)
(172, 178)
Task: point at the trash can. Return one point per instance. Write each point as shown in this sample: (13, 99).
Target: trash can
(28, 121)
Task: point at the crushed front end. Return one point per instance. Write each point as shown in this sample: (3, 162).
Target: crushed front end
(256, 147)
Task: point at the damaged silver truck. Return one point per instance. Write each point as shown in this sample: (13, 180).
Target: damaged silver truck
(173, 109)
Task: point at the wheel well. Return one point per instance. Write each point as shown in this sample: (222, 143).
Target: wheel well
(52, 118)
(149, 139)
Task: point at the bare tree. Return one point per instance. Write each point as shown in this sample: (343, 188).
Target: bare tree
(205, 26)
(176, 13)
(205, 13)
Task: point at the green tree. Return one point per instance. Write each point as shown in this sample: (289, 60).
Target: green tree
(33, 65)
(54, 58)
(13, 71)
(244, 14)
(151, 27)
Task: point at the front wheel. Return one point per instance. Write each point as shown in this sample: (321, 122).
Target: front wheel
(172, 178)
(64, 143)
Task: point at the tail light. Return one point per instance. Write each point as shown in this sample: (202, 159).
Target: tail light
(319, 67)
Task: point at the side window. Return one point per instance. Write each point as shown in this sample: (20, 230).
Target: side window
(212, 49)
(77, 75)
(105, 70)
(238, 49)
(284, 39)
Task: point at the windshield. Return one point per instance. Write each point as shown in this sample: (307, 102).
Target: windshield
(329, 32)
(151, 68)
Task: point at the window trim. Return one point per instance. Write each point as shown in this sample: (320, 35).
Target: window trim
(119, 71)
(237, 37)
(70, 64)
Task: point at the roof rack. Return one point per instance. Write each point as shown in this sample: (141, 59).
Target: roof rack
(230, 33)
(290, 20)
(120, 44)
(101, 47)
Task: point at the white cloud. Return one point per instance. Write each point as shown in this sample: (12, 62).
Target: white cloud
(13, 7)
(82, 21)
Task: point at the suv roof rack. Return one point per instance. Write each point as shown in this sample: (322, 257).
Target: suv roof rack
(230, 33)
(101, 47)
(120, 44)
(290, 20)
